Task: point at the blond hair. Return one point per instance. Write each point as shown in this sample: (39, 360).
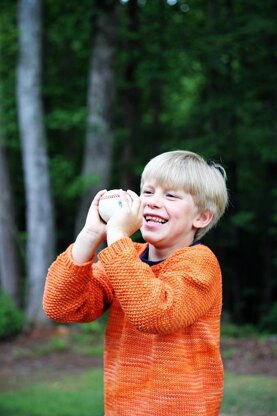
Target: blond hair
(187, 171)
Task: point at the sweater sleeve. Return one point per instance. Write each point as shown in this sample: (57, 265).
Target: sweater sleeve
(74, 292)
(187, 287)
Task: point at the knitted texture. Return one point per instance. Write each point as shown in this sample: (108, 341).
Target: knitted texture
(162, 338)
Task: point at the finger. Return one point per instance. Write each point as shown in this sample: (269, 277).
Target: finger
(136, 201)
(98, 196)
(124, 199)
(132, 194)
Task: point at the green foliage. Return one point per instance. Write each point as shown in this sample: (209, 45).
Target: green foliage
(11, 318)
(268, 321)
(229, 330)
(64, 179)
(66, 119)
(58, 344)
(244, 219)
(91, 327)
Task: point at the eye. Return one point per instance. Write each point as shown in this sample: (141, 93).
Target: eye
(146, 192)
(171, 195)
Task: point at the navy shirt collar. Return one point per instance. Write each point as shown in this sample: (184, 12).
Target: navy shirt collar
(144, 256)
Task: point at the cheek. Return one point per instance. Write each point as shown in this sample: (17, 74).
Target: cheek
(178, 214)
(182, 213)
(143, 201)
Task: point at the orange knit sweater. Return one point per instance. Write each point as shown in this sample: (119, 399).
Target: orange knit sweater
(162, 338)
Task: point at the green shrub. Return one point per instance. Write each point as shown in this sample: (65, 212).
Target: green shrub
(91, 327)
(11, 318)
(229, 330)
(268, 321)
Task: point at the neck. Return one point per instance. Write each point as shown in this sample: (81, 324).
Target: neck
(156, 254)
(161, 253)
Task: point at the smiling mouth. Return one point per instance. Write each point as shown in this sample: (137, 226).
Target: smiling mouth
(157, 220)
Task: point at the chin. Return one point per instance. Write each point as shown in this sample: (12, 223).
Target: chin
(148, 238)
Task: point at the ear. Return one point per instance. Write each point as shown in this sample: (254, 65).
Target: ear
(203, 219)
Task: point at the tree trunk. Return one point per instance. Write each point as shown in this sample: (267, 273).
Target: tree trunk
(97, 160)
(9, 264)
(130, 98)
(39, 210)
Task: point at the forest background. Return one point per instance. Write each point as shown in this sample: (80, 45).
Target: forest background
(91, 90)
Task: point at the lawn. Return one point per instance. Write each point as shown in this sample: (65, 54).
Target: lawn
(249, 395)
(78, 395)
(82, 395)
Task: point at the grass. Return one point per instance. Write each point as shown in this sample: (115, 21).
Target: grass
(82, 395)
(249, 395)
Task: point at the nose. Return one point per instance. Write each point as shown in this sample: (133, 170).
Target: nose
(153, 201)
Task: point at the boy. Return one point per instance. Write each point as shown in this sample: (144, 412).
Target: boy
(162, 339)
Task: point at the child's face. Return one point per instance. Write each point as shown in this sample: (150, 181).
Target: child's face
(169, 216)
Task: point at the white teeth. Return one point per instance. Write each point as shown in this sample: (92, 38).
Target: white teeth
(154, 219)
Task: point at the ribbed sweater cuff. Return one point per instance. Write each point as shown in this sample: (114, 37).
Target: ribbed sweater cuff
(116, 249)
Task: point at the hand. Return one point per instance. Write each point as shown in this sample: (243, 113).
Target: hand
(127, 220)
(92, 234)
(94, 224)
